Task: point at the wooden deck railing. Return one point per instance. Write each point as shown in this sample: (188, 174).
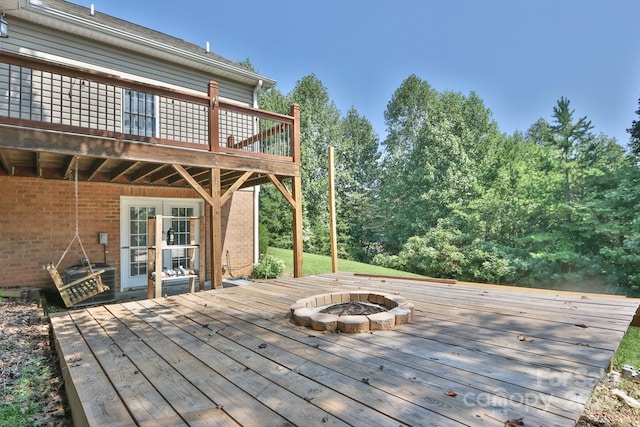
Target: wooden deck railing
(51, 96)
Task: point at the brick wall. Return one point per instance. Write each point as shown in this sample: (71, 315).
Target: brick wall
(38, 222)
(237, 234)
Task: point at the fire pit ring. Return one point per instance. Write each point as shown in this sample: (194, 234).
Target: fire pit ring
(347, 311)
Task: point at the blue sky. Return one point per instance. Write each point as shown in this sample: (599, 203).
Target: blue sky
(519, 56)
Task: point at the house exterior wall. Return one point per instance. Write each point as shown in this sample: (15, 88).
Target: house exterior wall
(38, 222)
(30, 39)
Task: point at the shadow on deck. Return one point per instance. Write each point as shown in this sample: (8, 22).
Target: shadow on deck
(474, 354)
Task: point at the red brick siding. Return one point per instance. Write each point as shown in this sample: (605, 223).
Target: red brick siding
(38, 222)
(237, 234)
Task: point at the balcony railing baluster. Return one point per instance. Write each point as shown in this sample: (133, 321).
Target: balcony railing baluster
(50, 96)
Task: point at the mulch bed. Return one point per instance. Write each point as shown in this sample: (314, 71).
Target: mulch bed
(24, 344)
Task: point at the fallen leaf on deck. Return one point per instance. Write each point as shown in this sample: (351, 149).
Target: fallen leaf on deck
(451, 393)
(581, 325)
(263, 345)
(514, 423)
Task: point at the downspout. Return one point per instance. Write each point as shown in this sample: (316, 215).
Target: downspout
(256, 189)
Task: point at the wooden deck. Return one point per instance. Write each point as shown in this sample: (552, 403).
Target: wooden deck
(474, 355)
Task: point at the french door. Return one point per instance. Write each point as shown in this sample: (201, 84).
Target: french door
(135, 239)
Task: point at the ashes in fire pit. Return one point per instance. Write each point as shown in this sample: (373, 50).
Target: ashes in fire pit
(353, 308)
(351, 312)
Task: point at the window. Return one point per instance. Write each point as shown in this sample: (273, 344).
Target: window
(139, 113)
(182, 230)
(139, 238)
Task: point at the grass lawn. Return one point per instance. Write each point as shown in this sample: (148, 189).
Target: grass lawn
(629, 350)
(318, 264)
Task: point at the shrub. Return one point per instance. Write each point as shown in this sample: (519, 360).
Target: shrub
(268, 267)
(438, 253)
(490, 263)
(263, 238)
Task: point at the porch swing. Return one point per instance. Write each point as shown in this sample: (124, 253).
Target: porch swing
(84, 287)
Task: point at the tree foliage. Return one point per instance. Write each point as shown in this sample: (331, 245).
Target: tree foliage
(446, 194)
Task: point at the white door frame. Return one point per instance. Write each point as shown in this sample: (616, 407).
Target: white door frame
(162, 206)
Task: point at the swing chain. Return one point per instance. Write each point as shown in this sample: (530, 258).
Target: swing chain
(77, 234)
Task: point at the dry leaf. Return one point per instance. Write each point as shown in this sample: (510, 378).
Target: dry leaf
(514, 423)
(581, 325)
(451, 393)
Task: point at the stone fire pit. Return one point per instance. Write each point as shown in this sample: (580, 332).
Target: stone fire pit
(352, 312)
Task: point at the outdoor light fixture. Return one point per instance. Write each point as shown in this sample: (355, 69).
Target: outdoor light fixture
(4, 27)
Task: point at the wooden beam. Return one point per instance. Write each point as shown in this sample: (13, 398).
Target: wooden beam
(195, 175)
(202, 253)
(194, 184)
(163, 174)
(106, 147)
(332, 212)
(227, 194)
(157, 292)
(5, 161)
(296, 188)
(214, 120)
(418, 279)
(280, 127)
(67, 169)
(38, 165)
(215, 213)
(251, 182)
(95, 168)
(121, 170)
(283, 190)
(145, 172)
(295, 134)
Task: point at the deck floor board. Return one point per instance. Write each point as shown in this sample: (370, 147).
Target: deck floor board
(233, 356)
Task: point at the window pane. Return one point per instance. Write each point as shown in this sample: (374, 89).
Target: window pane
(139, 113)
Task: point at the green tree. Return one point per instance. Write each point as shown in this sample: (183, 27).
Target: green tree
(569, 139)
(319, 128)
(357, 172)
(634, 132)
(435, 149)
(275, 212)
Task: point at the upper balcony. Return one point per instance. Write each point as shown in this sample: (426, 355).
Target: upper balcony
(122, 130)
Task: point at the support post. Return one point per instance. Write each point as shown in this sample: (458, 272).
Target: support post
(332, 212)
(214, 123)
(297, 227)
(158, 258)
(296, 190)
(202, 251)
(295, 133)
(216, 231)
